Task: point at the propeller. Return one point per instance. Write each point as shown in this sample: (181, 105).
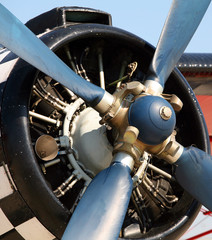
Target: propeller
(108, 194)
(101, 211)
(181, 23)
(21, 41)
(194, 173)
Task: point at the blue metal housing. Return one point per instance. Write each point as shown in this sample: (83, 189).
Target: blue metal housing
(144, 114)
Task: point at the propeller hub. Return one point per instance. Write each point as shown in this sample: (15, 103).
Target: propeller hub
(154, 117)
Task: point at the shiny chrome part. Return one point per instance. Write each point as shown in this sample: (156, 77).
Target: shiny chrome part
(48, 164)
(169, 150)
(135, 88)
(51, 163)
(158, 170)
(176, 103)
(67, 185)
(153, 87)
(101, 69)
(165, 113)
(46, 147)
(138, 177)
(44, 118)
(116, 116)
(131, 134)
(105, 104)
(70, 110)
(172, 152)
(125, 143)
(48, 97)
(72, 95)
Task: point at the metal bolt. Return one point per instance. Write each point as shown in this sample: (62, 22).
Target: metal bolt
(165, 113)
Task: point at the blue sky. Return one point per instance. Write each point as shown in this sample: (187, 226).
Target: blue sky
(143, 18)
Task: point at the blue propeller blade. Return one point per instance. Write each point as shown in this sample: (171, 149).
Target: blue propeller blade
(194, 173)
(19, 39)
(181, 23)
(101, 211)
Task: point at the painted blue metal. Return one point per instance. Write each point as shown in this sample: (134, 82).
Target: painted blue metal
(193, 172)
(101, 211)
(20, 40)
(144, 114)
(182, 21)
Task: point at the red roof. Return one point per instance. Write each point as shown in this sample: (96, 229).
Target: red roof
(206, 106)
(205, 102)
